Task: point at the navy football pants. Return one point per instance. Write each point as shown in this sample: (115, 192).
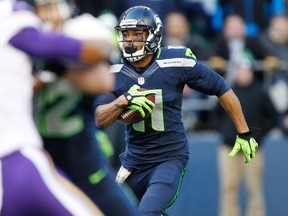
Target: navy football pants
(157, 186)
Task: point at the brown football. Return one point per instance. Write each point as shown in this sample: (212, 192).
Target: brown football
(131, 116)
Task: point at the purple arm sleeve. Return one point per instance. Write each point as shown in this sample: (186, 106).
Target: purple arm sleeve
(50, 45)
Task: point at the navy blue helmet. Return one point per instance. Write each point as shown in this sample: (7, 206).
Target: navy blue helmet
(140, 18)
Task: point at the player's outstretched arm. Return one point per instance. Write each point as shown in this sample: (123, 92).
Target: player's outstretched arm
(53, 46)
(231, 104)
(93, 51)
(92, 79)
(244, 140)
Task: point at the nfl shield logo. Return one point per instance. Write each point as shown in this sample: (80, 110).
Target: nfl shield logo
(141, 80)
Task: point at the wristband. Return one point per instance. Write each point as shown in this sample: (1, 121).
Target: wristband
(245, 135)
(128, 97)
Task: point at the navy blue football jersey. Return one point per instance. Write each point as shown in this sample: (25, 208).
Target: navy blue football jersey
(61, 110)
(162, 137)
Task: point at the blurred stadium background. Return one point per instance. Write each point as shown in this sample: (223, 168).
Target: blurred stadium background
(199, 194)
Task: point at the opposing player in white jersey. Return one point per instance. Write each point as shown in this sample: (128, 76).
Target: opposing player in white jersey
(29, 183)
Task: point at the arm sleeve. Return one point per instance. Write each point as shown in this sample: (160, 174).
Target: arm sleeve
(204, 79)
(46, 45)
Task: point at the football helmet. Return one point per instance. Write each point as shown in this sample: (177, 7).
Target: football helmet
(144, 19)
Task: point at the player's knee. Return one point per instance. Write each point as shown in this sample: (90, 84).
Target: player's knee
(152, 206)
(152, 213)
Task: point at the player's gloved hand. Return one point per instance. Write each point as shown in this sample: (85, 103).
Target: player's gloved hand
(247, 144)
(137, 99)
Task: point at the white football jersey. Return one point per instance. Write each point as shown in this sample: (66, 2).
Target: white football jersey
(17, 127)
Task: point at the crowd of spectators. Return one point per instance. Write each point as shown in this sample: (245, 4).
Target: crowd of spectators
(217, 32)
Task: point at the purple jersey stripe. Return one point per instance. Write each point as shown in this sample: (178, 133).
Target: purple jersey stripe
(24, 187)
(50, 45)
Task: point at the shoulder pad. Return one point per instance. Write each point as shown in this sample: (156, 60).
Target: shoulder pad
(77, 27)
(176, 57)
(16, 22)
(23, 19)
(176, 52)
(115, 68)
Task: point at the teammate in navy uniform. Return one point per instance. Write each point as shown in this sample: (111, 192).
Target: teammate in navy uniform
(156, 154)
(73, 146)
(64, 114)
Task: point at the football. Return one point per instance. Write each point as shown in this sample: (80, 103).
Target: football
(131, 116)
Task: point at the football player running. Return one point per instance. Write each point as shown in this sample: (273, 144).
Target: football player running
(156, 154)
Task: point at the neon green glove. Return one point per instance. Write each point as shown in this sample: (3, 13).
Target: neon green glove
(137, 99)
(247, 144)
